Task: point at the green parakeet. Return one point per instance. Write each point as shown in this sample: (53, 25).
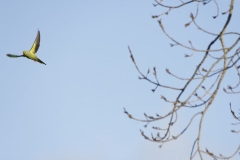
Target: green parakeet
(31, 54)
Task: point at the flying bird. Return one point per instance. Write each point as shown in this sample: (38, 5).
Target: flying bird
(31, 54)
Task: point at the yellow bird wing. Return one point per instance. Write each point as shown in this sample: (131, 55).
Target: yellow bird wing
(36, 44)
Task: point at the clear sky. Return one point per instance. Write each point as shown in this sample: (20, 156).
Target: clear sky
(72, 108)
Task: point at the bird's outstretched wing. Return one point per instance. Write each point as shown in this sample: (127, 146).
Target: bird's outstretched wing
(14, 56)
(36, 44)
(40, 61)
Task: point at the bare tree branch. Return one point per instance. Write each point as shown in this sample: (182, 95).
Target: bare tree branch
(202, 95)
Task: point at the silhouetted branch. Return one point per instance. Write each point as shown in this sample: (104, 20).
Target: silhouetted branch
(202, 95)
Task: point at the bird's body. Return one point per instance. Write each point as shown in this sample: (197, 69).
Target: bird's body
(31, 54)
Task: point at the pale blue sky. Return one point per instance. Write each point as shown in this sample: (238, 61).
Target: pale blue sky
(72, 108)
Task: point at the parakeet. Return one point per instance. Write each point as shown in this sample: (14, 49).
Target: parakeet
(31, 54)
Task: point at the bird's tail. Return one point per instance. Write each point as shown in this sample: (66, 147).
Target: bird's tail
(39, 60)
(14, 56)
